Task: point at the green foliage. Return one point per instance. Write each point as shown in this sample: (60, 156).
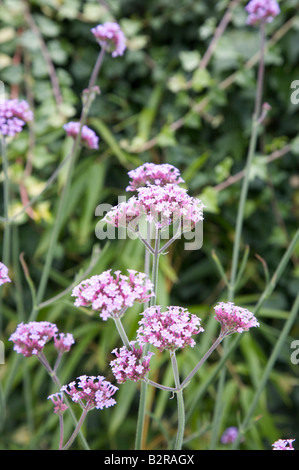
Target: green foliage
(156, 104)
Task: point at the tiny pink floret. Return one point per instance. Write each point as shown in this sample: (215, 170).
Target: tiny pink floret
(59, 405)
(13, 116)
(283, 444)
(30, 338)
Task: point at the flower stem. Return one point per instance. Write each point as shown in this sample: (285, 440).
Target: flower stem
(77, 429)
(180, 403)
(122, 332)
(143, 390)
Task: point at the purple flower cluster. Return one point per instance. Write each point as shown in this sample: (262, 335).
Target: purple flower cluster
(234, 319)
(129, 364)
(162, 205)
(91, 392)
(30, 338)
(13, 116)
(57, 400)
(262, 11)
(110, 36)
(3, 274)
(112, 295)
(229, 435)
(283, 444)
(170, 329)
(88, 136)
(150, 173)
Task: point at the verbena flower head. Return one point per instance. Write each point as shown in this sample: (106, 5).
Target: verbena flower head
(57, 400)
(229, 435)
(234, 319)
(30, 338)
(91, 392)
(88, 136)
(111, 294)
(129, 364)
(111, 37)
(63, 342)
(4, 274)
(262, 11)
(149, 173)
(161, 205)
(13, 116)
(170, 329)
(283, 444)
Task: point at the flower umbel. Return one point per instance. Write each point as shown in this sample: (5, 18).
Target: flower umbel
(3, 274)
(13, 116)
(57, 400)
(283, 444)
(262, 11)
(229, 435)
(170, 329)
(234, 319)
(30, 338)
(129, 364)
(63, 342)
(111, 37)
(91, 392)
(88, 136)
(149, 173)
(162, 205)
(112, 294)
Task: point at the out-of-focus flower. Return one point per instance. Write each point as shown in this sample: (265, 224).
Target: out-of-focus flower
(13, 116)
(234, 319)
(162, 205)
(63, 342)
(229, 435)
(57, 400)
(129, 363)
(170, 329)
(91, 392)
(112, 295)
(150, 173)
(88, 136)
(4, 274)
(283, 444)
(262, 11)
(111, 37)
(30, 338)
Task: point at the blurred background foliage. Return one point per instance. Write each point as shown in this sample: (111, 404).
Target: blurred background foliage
(165, 100)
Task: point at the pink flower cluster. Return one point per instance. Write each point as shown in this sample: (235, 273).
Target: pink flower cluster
(149, 173)
(129, 364)
(63, 342)
(162, 205)
(88, 136)
(170, 329)
(13, 116)
(30, 338)
(229, 435)
(234, 319)
(110, 36)
(262, 11)
(57, 400)
(91, 392)
(112, 295)
(283, 444)
(3, 274)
